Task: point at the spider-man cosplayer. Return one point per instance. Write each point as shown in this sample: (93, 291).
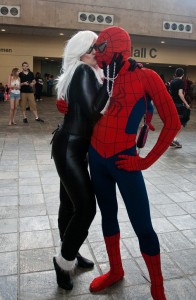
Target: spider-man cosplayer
(113, 157)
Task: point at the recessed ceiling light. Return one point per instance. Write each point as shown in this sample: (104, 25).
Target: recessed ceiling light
(61, 33)
(170, 66)
(3, 29)
(46, 57)
(162, 42)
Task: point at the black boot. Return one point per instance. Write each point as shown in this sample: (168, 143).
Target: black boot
(84, 262)
(63, 278)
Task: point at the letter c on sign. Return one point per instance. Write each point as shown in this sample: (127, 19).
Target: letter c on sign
(151, 52)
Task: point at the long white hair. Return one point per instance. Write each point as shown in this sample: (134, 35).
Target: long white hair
(77, 46)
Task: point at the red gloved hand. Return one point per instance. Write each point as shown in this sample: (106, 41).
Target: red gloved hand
(129, 163)
(62, 106)
(149, 116)
(151, 127)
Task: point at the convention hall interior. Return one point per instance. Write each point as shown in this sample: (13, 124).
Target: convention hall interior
(162, 32)
(163, 35)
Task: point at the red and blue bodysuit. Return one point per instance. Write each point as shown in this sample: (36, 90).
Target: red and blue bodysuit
(113, 158)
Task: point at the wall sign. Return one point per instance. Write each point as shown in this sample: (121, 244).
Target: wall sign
(144, 52)
(5, 50)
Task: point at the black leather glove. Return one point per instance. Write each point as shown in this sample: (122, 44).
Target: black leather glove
(111, 71)
(114, 67)
(134, 64)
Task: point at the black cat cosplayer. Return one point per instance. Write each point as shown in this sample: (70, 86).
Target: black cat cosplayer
(86, 93)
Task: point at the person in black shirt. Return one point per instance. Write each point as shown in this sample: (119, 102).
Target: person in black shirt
(27, 82)
(38, 86)
(177, 93)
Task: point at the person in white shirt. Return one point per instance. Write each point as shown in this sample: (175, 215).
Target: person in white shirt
(14, 86)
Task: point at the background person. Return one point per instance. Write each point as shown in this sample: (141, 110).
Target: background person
(27, 82)
(50, 83)
(14, 86)
(178, 96)
(38, 86)
(2, 92)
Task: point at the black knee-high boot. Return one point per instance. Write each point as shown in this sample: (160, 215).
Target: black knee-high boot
(63, 268)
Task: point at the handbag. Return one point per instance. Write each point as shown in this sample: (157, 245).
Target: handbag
(143, 134)
(142, 137)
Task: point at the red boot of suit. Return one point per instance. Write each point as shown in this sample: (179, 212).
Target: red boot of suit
(116, 272)
(153, 264)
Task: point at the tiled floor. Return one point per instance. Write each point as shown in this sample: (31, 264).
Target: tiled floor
(29, 188)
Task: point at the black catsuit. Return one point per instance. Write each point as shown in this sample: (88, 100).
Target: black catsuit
(70, 145)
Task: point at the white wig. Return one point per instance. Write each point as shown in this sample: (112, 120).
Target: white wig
(77, 46)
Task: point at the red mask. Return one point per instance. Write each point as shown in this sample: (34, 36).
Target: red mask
(111, 40)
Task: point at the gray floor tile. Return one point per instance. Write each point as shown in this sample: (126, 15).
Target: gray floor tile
(158, 199)
(155, 213)
(8, 191)
(29, 234)
(187, 187)
(28, 174)
(179, 289)
(189, 207)
(52, 188)
(52, 208)
(26, 189)
(29, 181)
(162, 225)
(31, 199)
(36, 260)
(193, 279)
(132, 245)
(192, 194)
(8, 263)
(9, 182)
(8, 287)
(8, 242)
(53, 221)
(52, 198)
(190, 235)
(101, 255)
(8, 225)
(185, 259)
(7, 169)
(126, 230)
(168, 188)
(170, 209)
(183, 222)
(40, 285)
(56, 238)
(180, 197)
(169, 268)
(34, 223)
(50, 180)
(36, 239)
(30, 165)
(95, 233)
(173, 241)
(122, 215)
(8, 212)
(138, 292)
(32, 210)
